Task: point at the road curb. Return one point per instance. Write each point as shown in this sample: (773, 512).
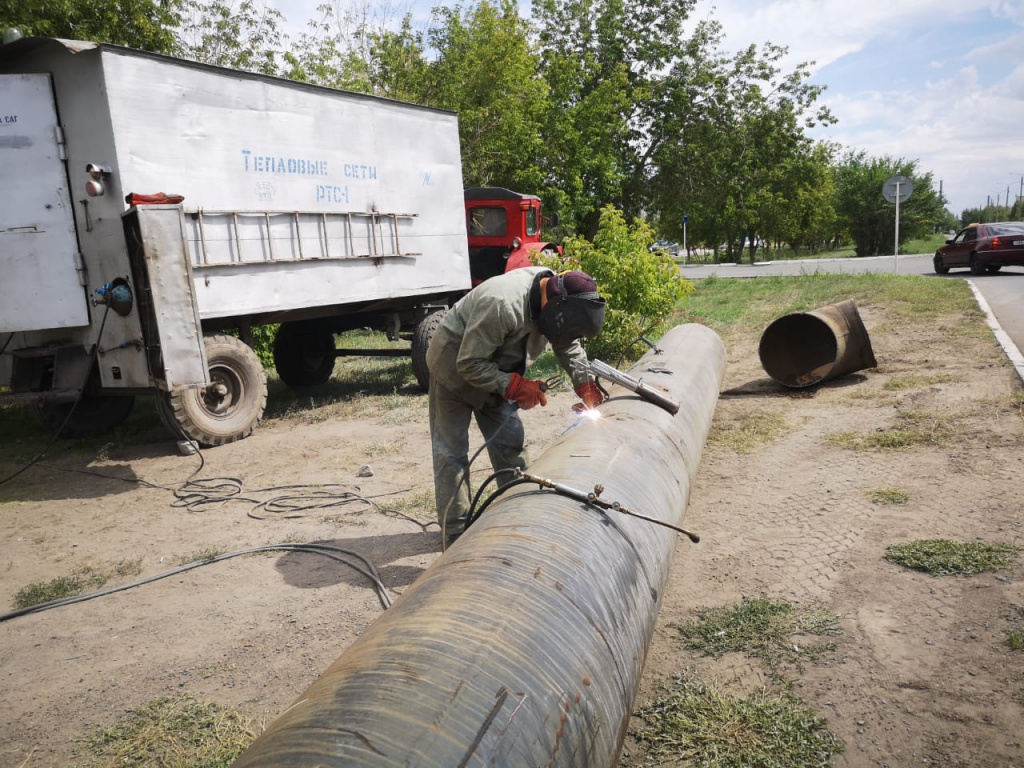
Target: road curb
(1014, 355)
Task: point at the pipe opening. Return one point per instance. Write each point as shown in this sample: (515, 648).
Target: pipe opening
(806, 348)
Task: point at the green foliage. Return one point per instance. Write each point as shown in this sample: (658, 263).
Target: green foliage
(700, 725)
(642, 288)
(240, 34)
(941, 557)
(263, 343)
(869, 217)
(486, 71)
(55, 589)
(146, 24)
(175, 732)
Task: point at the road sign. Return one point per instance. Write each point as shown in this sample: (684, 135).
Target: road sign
(897, 185)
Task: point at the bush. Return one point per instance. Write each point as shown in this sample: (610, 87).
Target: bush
(642, 288)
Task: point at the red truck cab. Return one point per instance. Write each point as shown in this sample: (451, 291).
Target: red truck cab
(504, 229)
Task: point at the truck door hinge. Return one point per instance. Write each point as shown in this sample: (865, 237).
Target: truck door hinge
(62, 150)
(83, 273)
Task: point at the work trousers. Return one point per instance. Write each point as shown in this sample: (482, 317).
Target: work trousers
(504, 437)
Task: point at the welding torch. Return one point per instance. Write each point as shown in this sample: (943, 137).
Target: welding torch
(650, 394)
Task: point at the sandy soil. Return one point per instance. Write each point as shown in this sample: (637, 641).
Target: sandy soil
(922, 675)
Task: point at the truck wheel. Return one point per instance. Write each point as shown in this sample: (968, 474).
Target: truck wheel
(233, 403)
(303, 359)
(93, 415)
(420, 342)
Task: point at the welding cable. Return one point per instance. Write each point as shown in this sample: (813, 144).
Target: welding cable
(334, 553)
(474, 510)
(81, 395)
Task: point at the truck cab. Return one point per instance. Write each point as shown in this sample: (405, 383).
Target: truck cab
(504, 231)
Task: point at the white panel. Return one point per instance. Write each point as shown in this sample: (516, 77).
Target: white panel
(38, 248)
(233, 143)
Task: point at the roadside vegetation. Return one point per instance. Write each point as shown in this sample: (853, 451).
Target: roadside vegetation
(83, 579)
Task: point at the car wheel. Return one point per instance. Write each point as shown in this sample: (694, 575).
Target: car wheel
(940, 268)
(976, 266)
(993, 268)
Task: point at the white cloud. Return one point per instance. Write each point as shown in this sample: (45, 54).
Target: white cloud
(827, 30)
(1012, 48)
(941, 125)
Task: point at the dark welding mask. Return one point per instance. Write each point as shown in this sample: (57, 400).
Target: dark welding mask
(567, 317)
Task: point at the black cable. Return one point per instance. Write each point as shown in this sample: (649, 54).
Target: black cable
(81, 395)
(493, 496)
(321, 549)
(9, 340)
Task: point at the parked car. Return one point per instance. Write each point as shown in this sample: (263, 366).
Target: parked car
(983, 248)
(665, 245)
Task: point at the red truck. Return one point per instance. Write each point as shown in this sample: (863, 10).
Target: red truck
(504, 229)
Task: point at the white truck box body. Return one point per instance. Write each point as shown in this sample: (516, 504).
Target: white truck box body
(333, 198)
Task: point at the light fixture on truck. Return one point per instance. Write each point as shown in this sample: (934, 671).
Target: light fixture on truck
(94, 187)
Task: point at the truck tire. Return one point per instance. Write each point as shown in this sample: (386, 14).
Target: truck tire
(303, 359)
(93, 415)
(421, 342)
(230, 407)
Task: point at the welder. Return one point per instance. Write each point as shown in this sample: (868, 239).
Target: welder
(478, 359)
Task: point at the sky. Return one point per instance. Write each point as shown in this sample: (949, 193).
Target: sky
(937, 81)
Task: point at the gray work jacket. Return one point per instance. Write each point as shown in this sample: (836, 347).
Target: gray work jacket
(489, 334)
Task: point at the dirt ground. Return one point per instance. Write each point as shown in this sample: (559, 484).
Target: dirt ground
(921, 676)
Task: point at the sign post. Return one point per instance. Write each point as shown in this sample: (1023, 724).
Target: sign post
(685, 219)
(897, 190)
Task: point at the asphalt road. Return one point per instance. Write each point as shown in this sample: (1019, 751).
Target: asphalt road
(999, 295)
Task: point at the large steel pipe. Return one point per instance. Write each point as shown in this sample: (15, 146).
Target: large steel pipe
(523, 644)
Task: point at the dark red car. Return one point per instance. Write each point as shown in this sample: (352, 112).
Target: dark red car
(983, 248)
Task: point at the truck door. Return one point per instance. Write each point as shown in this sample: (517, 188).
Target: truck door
(40, 283)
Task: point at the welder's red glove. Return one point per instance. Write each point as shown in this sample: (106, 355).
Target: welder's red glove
(590, 394)
(526, 393)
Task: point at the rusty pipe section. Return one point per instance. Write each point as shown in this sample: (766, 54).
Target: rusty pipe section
(523, 644)
(807, 348)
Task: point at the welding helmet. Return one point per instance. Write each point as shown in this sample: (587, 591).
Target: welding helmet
(574, 310)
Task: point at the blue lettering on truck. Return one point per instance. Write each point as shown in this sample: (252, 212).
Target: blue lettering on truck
(275, 164)
(8, 119)
(329, 193)
(357, 171)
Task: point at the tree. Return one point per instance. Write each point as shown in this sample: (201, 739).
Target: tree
(599, 59)
(232, 33)
(145, 24)
(486, 72)
(730, 150)
(642, 288)
(869, 217)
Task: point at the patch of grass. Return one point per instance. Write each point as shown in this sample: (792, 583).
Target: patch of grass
(126, 567)
(726, 304)
(749, 433)
(201, 555)
(888, 496)
(701, 725)
(761, 628)
(58, 588)
(916, 381)
(175, 732)
(941, 557)
(418, 505)
(912, 428)
(383, 448)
